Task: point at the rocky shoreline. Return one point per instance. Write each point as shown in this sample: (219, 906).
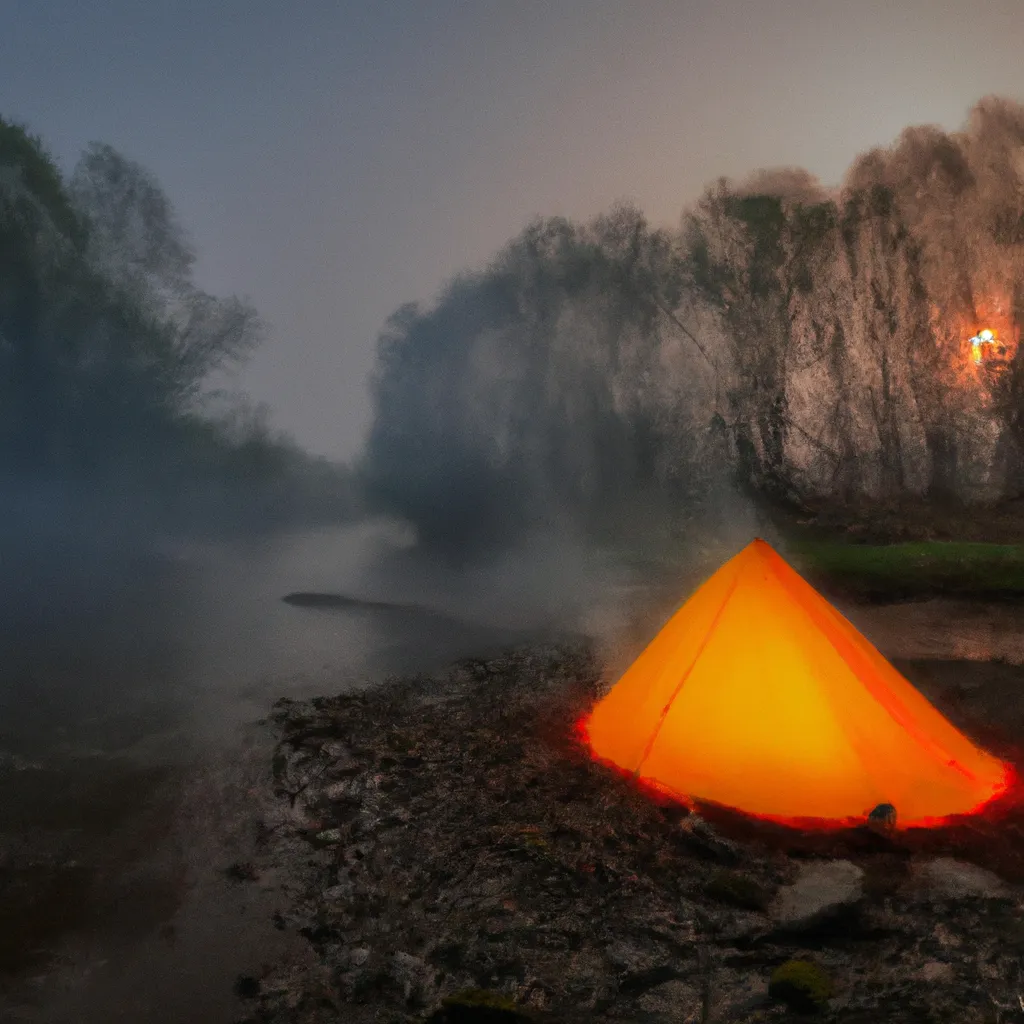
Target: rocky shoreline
(455, 855)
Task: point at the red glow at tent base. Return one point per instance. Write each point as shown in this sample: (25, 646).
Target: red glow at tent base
(1004, 802)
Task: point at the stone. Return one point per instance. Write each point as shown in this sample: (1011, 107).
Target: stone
(948, 879)
(934, 971)
(330, 836)
(336, 791)
(883, 819)
(672, 1001)
(822, 890)
(626, 958)
(700, 837)
(358, 956)
(413, 976)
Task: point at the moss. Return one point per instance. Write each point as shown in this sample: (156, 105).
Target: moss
(478, 1006)
(801, 985)
(484, 997)
(531, 836)
(736, 890)
(952, 567)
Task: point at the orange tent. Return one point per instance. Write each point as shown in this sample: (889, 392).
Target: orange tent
(758, 695)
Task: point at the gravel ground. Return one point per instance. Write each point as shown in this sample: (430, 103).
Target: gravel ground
(453, 854)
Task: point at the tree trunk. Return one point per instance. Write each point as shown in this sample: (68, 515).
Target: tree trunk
(942, 451)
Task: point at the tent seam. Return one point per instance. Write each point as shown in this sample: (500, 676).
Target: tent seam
(686, 675)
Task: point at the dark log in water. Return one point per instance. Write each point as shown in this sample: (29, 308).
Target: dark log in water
(309, 599)
(341, 602)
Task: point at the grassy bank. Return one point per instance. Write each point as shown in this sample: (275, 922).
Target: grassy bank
(913, 570)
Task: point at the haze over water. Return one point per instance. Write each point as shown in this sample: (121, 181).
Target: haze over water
(128, 744)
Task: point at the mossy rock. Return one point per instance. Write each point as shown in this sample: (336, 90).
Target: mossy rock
(736, 890)
(801, 985)
(478, 1006)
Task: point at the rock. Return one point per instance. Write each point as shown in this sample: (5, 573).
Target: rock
(413, 976)
(822, 890)
(934, 971)
(636, 982)
(358, 955)
(330, 837)
(335, 791)
(699, 836)
(737, 890)
(337, 893)
(948, 879)
(337, 752)
(672, 1001)
(883, 819)
(738, 927)
(628, 958)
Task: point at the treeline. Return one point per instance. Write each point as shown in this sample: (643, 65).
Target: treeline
(789, 341)
(106, 345)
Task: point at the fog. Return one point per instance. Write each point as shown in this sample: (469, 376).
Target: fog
(787, 343)
(565, 440)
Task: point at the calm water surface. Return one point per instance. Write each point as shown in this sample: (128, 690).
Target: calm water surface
(130, 694)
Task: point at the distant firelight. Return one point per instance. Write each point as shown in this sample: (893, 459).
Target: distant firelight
(984, 337)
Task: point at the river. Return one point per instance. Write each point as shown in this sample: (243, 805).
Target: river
(132, 689)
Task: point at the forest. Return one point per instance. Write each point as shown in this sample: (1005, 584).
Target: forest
(786, 343)
(107, 345)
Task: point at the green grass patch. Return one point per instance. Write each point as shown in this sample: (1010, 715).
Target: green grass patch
(914, 569)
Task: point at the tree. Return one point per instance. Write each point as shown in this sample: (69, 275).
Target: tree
(136, 243)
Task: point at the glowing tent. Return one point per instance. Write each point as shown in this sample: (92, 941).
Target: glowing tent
(758, 695)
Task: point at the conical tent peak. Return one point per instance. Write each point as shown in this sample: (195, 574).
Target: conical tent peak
(759, 695)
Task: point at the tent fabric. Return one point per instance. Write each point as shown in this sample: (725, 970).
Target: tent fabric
(759, 695)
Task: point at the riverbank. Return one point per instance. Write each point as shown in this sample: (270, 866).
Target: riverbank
(446, 836)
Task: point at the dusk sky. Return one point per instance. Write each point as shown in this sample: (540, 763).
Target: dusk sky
(332, 160)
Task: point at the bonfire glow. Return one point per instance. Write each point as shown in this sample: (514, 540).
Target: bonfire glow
(759, 696)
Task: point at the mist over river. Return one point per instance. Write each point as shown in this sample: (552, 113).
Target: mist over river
(132, 688)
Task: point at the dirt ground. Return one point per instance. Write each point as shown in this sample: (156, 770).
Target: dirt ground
(455, 854)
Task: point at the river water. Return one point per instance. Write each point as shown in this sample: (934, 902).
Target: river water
(131, 691)
(130, 703)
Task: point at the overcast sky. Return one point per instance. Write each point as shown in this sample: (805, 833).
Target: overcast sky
(332, 160)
